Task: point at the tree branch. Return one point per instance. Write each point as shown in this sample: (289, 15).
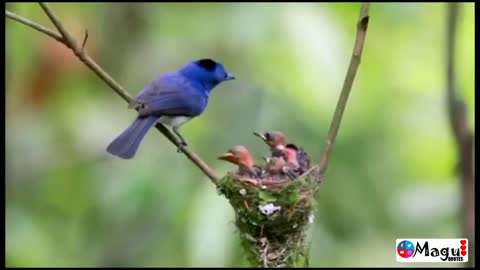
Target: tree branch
(67, 39)
(34, 25)
(362, 25)
(462, 134)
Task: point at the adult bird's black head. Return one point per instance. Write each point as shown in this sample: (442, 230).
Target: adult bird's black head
(207, 71)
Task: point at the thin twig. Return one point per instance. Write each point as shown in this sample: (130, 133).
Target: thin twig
(85, 38)
(462, 133)
(362, 25)
(66, 39)
(265, 255)
(34, 25)
(69, 40)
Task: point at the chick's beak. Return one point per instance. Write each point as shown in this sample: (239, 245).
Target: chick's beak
(229, 77)
(227, 157)
(262, 136)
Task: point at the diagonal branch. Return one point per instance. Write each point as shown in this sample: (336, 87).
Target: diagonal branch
(67, 39)
(362, 25)
(34, 25)
(462, 134)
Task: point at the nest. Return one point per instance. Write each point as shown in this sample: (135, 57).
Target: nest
(272, 217)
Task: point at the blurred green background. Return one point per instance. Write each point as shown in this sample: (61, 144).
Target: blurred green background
(392, 173)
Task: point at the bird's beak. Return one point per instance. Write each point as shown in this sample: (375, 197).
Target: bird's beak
(267, 159)
(227, 157)
(258, 134)
(229, 77)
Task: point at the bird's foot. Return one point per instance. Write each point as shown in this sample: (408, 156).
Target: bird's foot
(181, 146)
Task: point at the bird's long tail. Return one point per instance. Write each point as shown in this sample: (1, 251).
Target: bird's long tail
(126, 144)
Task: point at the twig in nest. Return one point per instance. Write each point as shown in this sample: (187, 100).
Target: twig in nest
(246, 205)
(264, 255)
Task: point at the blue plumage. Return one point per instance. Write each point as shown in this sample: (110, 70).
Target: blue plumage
(172, 99)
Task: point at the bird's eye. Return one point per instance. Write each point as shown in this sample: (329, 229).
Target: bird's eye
(267, 136)
(292, 146)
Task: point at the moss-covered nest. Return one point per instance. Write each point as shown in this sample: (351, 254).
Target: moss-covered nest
(273, 217)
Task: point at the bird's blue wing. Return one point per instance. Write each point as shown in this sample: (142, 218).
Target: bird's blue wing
(171, 95)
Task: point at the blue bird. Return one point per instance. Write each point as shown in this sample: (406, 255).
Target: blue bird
(172, 99)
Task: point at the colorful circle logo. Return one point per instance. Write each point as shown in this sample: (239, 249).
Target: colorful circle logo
(406, 249)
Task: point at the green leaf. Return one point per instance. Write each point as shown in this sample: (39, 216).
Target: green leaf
(266, 196)
(292, 197)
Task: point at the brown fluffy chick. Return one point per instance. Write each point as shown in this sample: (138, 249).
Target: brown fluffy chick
(241, 156)
(277, 142)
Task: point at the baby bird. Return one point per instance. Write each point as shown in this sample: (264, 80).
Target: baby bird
(274, 139)
(294, 155)
(240, 156)
(277, 168)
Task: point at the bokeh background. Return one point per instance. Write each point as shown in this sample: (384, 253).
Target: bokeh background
(392, 173)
